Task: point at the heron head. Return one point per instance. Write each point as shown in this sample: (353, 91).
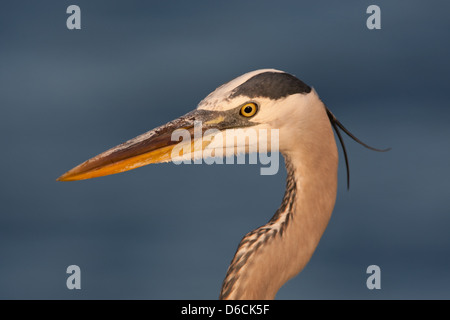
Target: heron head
(256, 100)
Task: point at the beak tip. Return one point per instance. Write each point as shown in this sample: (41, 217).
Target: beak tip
(61, 178)
(68, 176)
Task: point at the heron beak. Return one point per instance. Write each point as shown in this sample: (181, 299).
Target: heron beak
(155, 146)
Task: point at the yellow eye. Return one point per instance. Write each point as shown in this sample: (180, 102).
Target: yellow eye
(248, 110)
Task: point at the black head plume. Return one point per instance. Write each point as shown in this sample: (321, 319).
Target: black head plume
(336, 125)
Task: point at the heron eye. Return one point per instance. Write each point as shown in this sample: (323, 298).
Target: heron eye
(248, 110)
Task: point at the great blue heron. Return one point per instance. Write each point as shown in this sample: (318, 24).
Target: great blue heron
(263, 99)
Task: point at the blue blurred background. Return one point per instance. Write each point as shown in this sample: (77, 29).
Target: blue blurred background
(169, 232)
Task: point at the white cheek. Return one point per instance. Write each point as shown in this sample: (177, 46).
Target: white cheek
(253, 139)
(268, 110)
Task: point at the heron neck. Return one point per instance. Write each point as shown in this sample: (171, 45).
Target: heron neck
(274, 253)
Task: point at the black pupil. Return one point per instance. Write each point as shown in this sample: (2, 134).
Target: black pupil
(248, 109)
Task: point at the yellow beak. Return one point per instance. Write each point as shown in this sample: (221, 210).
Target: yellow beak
(154, 146)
